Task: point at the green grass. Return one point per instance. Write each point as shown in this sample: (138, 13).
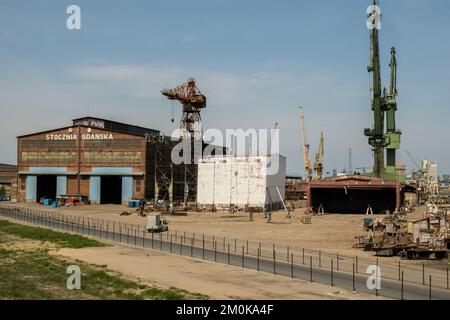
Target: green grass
(61, 239)
(35, 274)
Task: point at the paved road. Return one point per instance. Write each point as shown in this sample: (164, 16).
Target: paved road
(184, 246)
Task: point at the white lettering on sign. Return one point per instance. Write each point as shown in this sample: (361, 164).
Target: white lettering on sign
(97, 136)
(61, 136)
(84, 136)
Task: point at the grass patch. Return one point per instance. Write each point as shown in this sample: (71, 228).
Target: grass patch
(35, 274)
(61, 239)
(38, 275)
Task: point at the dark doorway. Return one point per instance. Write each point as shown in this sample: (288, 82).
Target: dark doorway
(46, 187)
(354, 201)
(111, 190)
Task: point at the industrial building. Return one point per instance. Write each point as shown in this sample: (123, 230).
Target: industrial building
(242, 182)
(8, 178)
(102, 160)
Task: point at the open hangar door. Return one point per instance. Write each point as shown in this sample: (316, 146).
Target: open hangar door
(46, 187)
(111, 190)
(354, 201)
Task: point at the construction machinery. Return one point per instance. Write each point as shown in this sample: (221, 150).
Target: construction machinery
(155, 224)
(193, 101)
(306, 146)
(394, 235)
(384, 107)
(318, 163)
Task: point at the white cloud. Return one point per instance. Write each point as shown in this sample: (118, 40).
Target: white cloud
(189, 38)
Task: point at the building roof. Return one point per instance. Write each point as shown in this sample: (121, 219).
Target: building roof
(102, 124)
(114, 126)
(7, 167)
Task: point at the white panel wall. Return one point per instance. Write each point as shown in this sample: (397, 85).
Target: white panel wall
(238, 180)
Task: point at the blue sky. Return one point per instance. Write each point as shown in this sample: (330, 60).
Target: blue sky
(257, 61)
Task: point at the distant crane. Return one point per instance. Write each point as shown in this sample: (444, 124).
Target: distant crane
(306, 146)
(271, 139)
(412, 159)
(318, 163)
(193, 101)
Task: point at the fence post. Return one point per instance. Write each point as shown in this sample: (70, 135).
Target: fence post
(153, 236)
(215, 251)
(354, 285)
(181, 244)
(160, 242)
(320, 259)
(310, 269)
(430, 286)
(135, 234)
(274, 262)
(203, 251)
(337, 261)
(287, 253)
(447, 280)
(303, 255)
(192, 247)
(171, 243)
(247, 246)
(357, 263)
(332, 274)
(143, 240)
(235, 244)
(423, 273)
(228, 253)
(399, 271)
(257, 260)
(402, 295)
(292, 266)
(128, 235)
(377, 275)
(243, 252)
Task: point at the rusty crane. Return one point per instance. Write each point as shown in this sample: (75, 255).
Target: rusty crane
(193, 101)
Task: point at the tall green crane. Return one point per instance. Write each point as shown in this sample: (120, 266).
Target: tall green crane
(383, 104)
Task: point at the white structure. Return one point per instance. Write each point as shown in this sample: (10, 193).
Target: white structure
(253, 181)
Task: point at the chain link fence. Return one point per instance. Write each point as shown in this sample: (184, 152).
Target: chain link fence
(296, 262)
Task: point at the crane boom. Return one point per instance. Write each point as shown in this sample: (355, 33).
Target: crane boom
(193, 101)
(318, 164)
(306, 146)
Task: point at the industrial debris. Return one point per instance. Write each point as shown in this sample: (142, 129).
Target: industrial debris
(395, 235)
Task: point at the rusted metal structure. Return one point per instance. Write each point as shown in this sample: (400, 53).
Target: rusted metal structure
(354, 194)
(381, 190)
(191, 130)
(193, 101)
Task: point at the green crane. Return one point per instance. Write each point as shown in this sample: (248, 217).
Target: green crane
(383, 104)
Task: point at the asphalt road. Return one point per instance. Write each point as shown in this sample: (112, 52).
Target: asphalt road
(184, 246)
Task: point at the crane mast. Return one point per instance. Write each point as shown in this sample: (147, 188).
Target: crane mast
(306, 146)
(384, 106)
(318, 164)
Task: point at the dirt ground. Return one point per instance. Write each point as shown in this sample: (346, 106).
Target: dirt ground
(329, 233)
(214, 280)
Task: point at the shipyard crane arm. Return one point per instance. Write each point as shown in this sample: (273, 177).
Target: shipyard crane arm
(193, 101)
(318, 164)
(412, 159)
(187, 94)
(306, 145)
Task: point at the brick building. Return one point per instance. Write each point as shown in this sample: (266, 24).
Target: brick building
(106, 161)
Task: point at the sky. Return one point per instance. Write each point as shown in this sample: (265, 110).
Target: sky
(255, 60)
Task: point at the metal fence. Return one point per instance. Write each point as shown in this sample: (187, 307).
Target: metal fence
(399, 281)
